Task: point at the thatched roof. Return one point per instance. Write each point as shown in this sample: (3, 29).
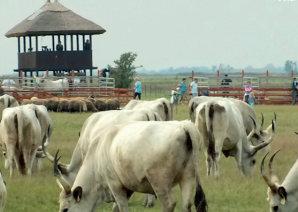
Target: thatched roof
(53, 18)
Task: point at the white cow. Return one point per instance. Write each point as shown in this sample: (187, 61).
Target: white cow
(247, 112)
(283, 196)
(48, 84)
(94, 126)
(3, 193)
(20, 136)
(222, 130)
(138, 157)
(46, 125)
(7, 101)
(160, 106)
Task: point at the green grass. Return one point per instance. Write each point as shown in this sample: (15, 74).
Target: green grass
(231, 192)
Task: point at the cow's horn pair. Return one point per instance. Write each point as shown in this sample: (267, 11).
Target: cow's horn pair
(269, 179)
(64, 184)
(61, 166)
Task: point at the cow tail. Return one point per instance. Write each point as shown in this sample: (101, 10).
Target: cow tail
(191, 108)
(19, 144)
(192, 144)
(167, 111)
(209, 115)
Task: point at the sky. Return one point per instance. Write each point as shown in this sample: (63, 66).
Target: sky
(175, 33)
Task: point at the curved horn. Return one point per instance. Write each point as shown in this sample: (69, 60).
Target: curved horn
(275, 116)
(267, 179)
(270, 163)
(254, 122)
(262, 120)
(255, 149)
(61, 166)
(273, 126)
(64, 184)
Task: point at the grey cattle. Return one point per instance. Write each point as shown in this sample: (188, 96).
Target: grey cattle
(7, 101)
(222, 130)
(20, 137)
(246, 111)
(121, 164)
(3, 193)
(160, 106)
(94, 126)
(283, 196)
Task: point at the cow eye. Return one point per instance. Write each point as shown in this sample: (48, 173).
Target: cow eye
(275, 208)
(65, 210)
(253, 162)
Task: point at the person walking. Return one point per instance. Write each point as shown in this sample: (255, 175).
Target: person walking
(138, 89)
(182, 89)
(294, 90)
(194, 87)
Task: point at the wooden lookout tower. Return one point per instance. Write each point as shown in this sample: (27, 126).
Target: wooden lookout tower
(70, 37)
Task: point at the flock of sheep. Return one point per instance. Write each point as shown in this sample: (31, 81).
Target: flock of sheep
(139, 148)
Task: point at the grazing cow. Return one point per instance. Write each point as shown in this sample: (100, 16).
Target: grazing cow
(222, 130)
(7, 101)
(3, 193)
(44, 119)
(20, 136)
(121, 164)
(246, 112)
(283, 196)
(94, 126)
(161, 106)
(48, 84)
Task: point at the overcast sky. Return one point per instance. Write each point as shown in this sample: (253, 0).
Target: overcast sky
(173, 33)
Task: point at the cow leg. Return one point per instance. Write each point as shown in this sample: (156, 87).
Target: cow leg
(162, 187)
(187, 185)
(121, 196)
(148, 200)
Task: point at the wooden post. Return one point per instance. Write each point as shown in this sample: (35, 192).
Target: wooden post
(24, 43)
(71, 42)
(90, 39)
(65, 43)
(19, 44)
(83, 41)
(30, 43)
(78, 46)
(53, 42)
(36, 43)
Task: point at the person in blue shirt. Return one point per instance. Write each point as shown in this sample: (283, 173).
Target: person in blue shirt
(294, 90)
(182, 88)
(138, 89)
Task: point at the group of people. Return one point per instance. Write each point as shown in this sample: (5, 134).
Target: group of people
(182, 89)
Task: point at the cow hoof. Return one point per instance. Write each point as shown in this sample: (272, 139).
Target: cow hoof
(150, 205)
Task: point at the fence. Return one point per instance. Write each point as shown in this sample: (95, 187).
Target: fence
(269, 88)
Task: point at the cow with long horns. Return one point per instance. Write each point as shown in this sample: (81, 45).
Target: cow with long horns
(222, 130)
(121, 164)
(283, 196)
(246, 112)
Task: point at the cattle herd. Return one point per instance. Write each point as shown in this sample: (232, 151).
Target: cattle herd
(140, 148)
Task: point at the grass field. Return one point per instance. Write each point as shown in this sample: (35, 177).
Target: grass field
(231, 192)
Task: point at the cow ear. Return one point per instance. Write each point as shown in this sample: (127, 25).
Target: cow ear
(283, 194)
(77, 193)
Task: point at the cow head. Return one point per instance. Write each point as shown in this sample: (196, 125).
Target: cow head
(249, 152)
(78, 197)
(280, 199)
(262, 134)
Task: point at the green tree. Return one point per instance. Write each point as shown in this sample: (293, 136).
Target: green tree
(124, 70)
(290, 66)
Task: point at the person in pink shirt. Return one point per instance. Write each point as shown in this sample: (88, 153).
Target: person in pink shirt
(248, 94)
